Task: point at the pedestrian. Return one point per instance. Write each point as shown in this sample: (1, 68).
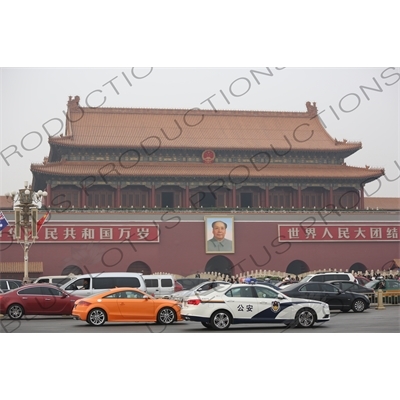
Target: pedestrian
(250, 279)
(85, 284)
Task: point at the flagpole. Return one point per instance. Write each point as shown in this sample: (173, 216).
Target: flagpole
(26, 213)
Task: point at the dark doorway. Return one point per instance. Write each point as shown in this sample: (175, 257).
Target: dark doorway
(221, 265)
(297, 267)
(207, 200)
(140, 267)
(246, 200)
(72, 269)
(167, 199)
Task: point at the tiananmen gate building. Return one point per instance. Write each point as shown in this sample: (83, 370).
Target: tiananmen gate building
(140, 189)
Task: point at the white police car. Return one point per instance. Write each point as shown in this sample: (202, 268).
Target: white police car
(245, 304)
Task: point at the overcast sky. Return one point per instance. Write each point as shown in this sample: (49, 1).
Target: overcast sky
(34, 100)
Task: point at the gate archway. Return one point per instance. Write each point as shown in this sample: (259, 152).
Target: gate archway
(297, 267)
(358, 267)
(220, 264)
(140, 267)
(72, 269)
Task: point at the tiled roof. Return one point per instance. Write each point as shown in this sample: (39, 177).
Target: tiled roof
(187, 170)
(197, 129)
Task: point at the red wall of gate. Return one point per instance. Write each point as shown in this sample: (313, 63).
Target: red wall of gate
(181, 250)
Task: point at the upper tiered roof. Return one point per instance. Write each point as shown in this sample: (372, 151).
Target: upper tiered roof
(198, 129)
(202, 170)
(112, 130)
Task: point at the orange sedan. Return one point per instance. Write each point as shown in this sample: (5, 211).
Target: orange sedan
(126, 305)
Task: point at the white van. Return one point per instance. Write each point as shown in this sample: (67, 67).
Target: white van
(97, 282)
(160, 286)
(55, 279)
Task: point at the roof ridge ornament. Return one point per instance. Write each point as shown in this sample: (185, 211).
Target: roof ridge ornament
(312, 109)
(73, 103)
(345, 141)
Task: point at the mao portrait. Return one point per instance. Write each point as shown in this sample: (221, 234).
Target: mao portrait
(219, 235)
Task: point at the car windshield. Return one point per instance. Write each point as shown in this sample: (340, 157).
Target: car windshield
(188, 283)
(204, 287)
(187, 292)
(218, 289)
(370, 284)
(197, 287)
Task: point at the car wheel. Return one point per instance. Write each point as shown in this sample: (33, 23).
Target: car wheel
(15, 311)
(305, 318)
(220, 320)
(97, 317)
(166, 316)
(207, 325)
(358, 305)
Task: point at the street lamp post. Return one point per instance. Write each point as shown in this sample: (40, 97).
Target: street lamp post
(26, 216)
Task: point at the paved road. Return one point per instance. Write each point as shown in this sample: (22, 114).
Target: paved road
(370, 321)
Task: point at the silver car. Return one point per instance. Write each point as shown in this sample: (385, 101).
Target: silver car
(9, 284)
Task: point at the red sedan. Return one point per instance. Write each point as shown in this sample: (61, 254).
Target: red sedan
(37, 299)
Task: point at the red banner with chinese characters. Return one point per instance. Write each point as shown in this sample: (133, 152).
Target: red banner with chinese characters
(338, 233)
(91, 233)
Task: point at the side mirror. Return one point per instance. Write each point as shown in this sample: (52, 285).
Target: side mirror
(280, 297)
(146, 297)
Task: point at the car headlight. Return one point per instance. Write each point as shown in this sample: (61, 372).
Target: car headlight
(326, 308)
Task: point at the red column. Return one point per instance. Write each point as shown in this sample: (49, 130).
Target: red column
(187, 196)
(118, 199)
(267, 197)
(48, 200)
(234, 196)
(299, 202)
(362, 207)
(331, 195)
(83, 197)
(153, 195)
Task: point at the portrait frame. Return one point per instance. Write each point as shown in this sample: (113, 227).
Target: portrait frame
(211, 245)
